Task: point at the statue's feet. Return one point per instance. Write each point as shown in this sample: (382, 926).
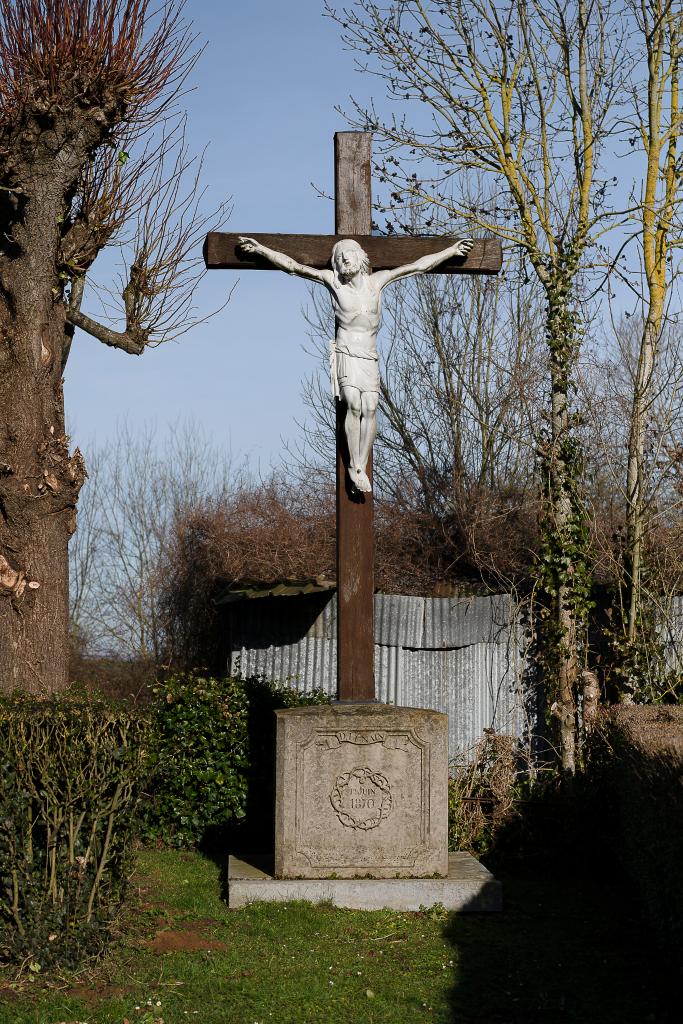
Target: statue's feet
(360, 481)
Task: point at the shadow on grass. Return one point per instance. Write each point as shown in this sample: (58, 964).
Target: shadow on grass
(570, 945)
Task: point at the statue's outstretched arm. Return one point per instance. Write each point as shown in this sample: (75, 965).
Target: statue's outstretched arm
(425, 263)
(284, 262)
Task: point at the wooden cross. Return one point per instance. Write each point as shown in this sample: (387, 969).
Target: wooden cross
(355, 548)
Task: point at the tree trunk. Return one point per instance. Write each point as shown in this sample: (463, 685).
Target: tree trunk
(564, 616)
(635, 497)
(636, 452)
(39, 487)
(39, 482)
(661, 29)
(566, 690)
(563, 529)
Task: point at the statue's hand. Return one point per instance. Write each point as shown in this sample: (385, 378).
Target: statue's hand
(249, 245)
(463, 246)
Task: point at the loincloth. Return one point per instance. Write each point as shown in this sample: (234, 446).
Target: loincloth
(353, 371)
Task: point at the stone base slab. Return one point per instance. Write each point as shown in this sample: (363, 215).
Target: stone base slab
(361, 791)
(469, 887)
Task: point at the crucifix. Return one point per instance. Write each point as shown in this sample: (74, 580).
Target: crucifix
(342, 263)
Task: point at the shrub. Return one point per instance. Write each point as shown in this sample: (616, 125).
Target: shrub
(213, 758)
(71, 766)
(198, 757)
(482, 792)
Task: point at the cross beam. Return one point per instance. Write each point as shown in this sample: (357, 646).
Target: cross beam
(353, 219)
(221, 252)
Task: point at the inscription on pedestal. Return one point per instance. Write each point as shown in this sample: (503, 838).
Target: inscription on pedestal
(361, 798)
(362, 791)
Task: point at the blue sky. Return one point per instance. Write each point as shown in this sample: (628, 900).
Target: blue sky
(264, 98)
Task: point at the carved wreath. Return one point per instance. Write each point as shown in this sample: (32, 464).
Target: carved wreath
(364, 777)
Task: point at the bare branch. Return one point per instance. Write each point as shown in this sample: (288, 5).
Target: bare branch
(164, 261)
(126, 55)
(128, 341)
(167, 264)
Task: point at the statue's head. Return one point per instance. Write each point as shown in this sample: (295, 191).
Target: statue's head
(348, 258)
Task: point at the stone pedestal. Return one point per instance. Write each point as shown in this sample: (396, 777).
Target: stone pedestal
(469, 888)
(361, 792)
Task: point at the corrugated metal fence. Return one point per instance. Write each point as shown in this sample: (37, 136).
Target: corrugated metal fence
(673, 635)
(464, 656)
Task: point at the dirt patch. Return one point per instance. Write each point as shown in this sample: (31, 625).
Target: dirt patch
(90, 995)
(186, 939)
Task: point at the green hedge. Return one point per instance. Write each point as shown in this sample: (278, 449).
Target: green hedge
(212, 755)
(198, 754)
(71, 767)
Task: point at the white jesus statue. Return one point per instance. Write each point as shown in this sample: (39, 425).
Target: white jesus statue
(357, 302)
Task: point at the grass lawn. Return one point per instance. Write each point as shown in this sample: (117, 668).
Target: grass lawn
(559, 953)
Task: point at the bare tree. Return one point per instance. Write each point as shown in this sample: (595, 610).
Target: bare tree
(607, 383)
(84, 85)
(520, 91)
(140, 489)
(656, 126)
